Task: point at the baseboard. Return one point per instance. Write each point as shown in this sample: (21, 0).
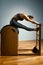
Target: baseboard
(28, 40)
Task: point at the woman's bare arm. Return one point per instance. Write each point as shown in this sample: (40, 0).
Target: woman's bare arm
(28, 19)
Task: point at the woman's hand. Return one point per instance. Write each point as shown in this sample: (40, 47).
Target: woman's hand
(36, 22)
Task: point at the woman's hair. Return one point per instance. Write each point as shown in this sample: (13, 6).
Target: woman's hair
(31, 17)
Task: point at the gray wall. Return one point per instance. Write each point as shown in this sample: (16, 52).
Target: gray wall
(8, 8)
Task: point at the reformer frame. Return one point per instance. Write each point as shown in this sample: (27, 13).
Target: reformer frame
(38, 38)
(38, 41)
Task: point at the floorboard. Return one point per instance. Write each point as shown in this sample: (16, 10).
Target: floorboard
(23, 47)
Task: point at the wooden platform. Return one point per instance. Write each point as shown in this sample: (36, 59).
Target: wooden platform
(23, 60)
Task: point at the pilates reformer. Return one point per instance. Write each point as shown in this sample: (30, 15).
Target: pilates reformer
(11, 47)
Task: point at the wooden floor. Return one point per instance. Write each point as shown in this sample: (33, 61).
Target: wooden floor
(23, 59)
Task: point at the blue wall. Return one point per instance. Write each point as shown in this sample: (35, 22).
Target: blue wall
(8, 8)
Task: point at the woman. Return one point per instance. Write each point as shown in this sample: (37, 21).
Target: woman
(21, 17)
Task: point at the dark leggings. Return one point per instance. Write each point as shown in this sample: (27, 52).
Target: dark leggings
(14, 23)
